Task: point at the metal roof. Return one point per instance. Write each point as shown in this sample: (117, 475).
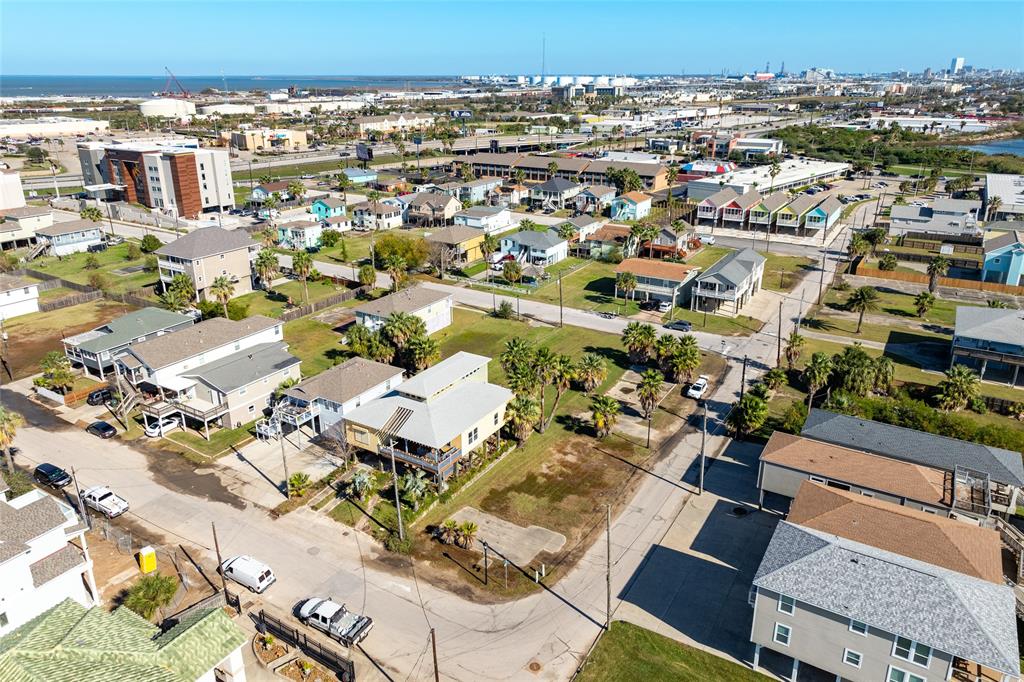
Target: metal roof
(449, 371)
(909, 445)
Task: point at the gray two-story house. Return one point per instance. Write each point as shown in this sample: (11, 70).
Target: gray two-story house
(729, 284)
(990, 341)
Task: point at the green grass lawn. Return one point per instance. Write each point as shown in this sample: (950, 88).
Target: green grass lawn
(881, 333)
(357, 245)
(115, 258)
(474, 269)
(741, 325)
(629, 653)
(196, 448)
(315, 343)
(901, 306)
(783, 273)
(906, 169)
(274, 302)
(708, 256)
(590, 287)
(55, 293)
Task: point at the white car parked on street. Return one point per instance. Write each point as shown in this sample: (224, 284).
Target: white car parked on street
(102, 499)
(159, 428)
(698, 388)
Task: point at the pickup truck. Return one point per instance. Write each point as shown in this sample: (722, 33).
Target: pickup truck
(336, 621)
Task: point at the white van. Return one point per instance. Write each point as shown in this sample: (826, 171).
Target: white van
(249, 572)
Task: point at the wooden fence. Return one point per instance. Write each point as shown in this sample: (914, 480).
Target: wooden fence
(69, 300)
(952, 282)
(333, 299)
(932, 245)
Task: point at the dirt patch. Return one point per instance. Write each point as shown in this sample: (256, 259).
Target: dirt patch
(113, 570)
(268, 654)
(294, 671)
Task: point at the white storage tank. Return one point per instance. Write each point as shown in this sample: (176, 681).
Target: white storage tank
(167, 107)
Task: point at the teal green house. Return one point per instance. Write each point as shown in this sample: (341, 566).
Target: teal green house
(1004, 257)
(328, 207)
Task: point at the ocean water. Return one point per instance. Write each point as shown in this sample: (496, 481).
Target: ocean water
(1013, 146)
(145, 86)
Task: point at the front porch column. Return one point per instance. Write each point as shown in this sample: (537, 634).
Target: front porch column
(1016, 371)
(984, 366)
(206, 427)
(796, 669)
(757, 656)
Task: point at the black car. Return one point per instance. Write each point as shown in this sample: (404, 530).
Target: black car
(96, 248)
(100, 396)
(101, 429)
(679, 325)
(53, 476)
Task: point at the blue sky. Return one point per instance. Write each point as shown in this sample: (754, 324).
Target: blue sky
(257, 37)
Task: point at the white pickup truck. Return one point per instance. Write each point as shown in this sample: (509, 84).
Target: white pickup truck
(335, 620)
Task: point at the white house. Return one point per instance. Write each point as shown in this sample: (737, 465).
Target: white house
(490, 219)
(535, 248)
(300, 234)
(44, 558)
(19, 225)
(74, 236)
(433, 307)
(18, 296)
(379, 216)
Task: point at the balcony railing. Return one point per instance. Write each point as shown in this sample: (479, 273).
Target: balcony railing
(297, 415)
(436, 463)
(168, 407)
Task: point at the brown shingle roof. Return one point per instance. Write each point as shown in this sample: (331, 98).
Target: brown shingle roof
(456, 234)
(344, 382)
(676, 272)
(913, 481)
(949, 543)
(406, 301)
(610, 233)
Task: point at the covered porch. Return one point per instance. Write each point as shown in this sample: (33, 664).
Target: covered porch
(177, 396)
(438, 461)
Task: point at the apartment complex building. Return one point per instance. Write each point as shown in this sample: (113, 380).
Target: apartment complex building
(584, 171)
(392, 122)
(184, 181)
(206, 254)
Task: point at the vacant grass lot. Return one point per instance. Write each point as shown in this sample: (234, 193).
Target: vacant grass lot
(110, 261)
(899, 306)
(315, 343)
(629, 653)
(708, 256)
(274, 302)
(357, 244)
(783, 273)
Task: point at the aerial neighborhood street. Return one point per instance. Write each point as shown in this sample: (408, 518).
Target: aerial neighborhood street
(707, 375)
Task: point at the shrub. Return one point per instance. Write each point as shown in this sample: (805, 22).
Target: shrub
(395, 544)
(978, 405)
(329, 238)
(91, 262)
(133, 252)
(888, 262)
(413, 250)
(794, 418)
(505, 311)
(149, 243)
(100, 280)
(150, 264)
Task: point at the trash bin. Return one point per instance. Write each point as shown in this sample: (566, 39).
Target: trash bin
(147, 559)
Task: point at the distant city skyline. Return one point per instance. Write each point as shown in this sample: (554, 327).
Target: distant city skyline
(458, 37)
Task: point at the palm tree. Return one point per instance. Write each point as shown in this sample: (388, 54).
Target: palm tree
(222, 289)
(794, 348)
(552, 169)
(449, 531)
(541, 366)
(302, 265)
(296, 189)
(269, 204)
(664, 349)
(591, 371)
(266, 267)
(638, 338)
(685, 359)
(268, 238)
(512, 271)
(648, 390)
(994, 204)
(938, 267)
(467, 533)
(360, 483)
(367, 275)
(862, 300)
(395, 265)
(414, 486)
(673, 171)
(521, 414)
(854, 370)
(604, 413)
(816, 374)
(297, 484)
(562, 373)
(373, 196)
(150, 594)
(748, 414)
(885, 371)
(488, 246)
(518, 353)
(627, 282)
(924, 302)
(423, 351)
(773, 378)
(773, 171)
(400, 328)
(10, 422)
(520, 176)
(959, 389)
(344, 184)
(379, 350)
(858, 246)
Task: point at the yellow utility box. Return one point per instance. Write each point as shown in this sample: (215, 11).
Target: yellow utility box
(147, 559)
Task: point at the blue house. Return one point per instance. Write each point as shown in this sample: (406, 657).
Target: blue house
(478, 191)
(991, 342)
(1004, 257)
(262, 192)
(328, 207)
(824, 215)
(300, 234)
(361, 176)
(631, 206)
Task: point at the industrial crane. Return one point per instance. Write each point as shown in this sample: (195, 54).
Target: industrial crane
(185, 94)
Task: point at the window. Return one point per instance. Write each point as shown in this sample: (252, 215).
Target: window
(866, 493)
(782, 634)
(912, 651)
(242, 390)
(897, 675)
(786, 604)
(816, 479)
(858, 627)
(495, 418)
(361, 436)
(473, 435)
(3, 620)
(851, 658)
(252, 409)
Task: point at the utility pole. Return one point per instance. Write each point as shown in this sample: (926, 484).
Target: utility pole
(284, 460)
(743, 378)
(81, 504)
(484, 543)
(703, 443)
(608, 566)
(559, 299)
(220, 564)
(821, 282)
(433, 646)
(778, 351)
(398, 502)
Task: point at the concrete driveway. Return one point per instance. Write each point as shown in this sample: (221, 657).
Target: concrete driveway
(693, 584)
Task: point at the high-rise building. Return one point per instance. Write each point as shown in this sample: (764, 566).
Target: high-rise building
(956, 66)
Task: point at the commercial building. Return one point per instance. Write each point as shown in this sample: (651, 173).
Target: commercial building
(255, 139)
(729, 284)
(1010, 191)
(179, 180)
(586, 171)
(793, 173)
(1004, 255)
(723, 145)
(944, 217)
(431, 306)
(392, 122)
(432, 421)
(44, 559)
(206, 254)
(168, 107)
(73, 236)
(217, 370)
(19, 225)
(11, 193)
(72, 642)
(96, 350)
(660, 280)
(51, 126)
(991, 342)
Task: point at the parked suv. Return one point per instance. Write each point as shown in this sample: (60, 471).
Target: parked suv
(51, 475)
(100, 396)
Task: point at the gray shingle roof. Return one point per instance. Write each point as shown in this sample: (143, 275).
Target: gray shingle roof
(345, 381)
(773, 202)
(122, 330)
(938, 452)
(12, 282)
(405, 301)
(455, 234)
(55, 564)
(956, 205)
(481, 211)
(19, 526)
(330, 202)
(556, 185)
(207, 335)
(1000, 325)
(802, 204)
(954, 613)
(244, 367)
(722, 197)
(68, 227)
(733, 268)
(536, 240)
(1006, 239)
(206, 241)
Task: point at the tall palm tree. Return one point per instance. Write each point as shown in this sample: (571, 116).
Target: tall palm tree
(518, 353)
(521, 414)
(858, 246)
(604, 413)
(685, 360)
(923, 302)
(395, 266)
(302, 265)
(994, 204)
(423, 351)
(748, 414)
(673, 171)
(816, 374)
(862, 300)
(664, 348)
(773, 171)
(794, 348)
(400, 328)
(488, 246)
(543, 359)
(648, 390)
(268, 238)
(222, 289)
(344, 185)
(373, 196)
(627, 282)
(937, 267)
(297, 189)
(591, 371)
(562, 374)
(639, 338)
(10, 422)
(958, 389)
(552, 169)
(269, 204)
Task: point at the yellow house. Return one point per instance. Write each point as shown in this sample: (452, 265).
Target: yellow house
(467, 242)
(434, 419)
